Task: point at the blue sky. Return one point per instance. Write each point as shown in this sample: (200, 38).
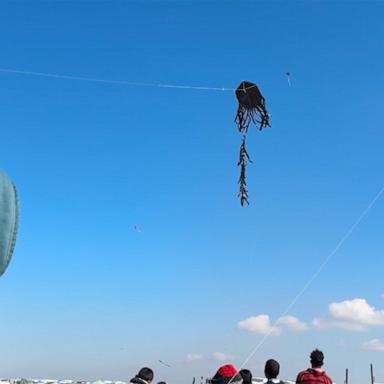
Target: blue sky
(86, 296)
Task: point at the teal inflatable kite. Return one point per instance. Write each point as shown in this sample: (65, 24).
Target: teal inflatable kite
(9, 220)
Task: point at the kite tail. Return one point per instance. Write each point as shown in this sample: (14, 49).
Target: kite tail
(243, 162)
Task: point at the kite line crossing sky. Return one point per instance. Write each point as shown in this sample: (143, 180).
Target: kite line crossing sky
(121, 82)
(251, 105)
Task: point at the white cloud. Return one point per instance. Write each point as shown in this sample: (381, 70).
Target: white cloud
(328, 322)
(259, 324)
(293, 323)
(374, 345)
(354, 315)
(357, 310)
(220, 356)
(194, 356)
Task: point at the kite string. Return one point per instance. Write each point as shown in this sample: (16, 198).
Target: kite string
(122, 82)
(314, 276)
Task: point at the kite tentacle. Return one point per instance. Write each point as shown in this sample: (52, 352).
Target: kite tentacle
(264, 116)
(244, 158)
(242, 119)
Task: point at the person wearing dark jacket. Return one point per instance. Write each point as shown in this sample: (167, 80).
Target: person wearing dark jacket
(271, 371)
(315, 374)
(145, 376)
(246, 374)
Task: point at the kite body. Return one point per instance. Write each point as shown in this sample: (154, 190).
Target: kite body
(251, 107)
(9, 219)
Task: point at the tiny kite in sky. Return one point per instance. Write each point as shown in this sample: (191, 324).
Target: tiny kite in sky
(251, 109)
(136, 228)
(289, 78)
(9, 219)
(162, 362)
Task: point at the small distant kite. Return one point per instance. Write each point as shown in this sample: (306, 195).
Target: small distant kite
(136, 228)
(162, 362)
(9, 220)
(289, 78)
(251, 109)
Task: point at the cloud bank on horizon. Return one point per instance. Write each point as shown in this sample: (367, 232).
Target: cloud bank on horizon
(374, 345)
(221, 356)
(262, 325)
(194, 356)
(353, 315)
(218, 356)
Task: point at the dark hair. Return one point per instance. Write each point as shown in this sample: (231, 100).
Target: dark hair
(246, 374)
(145, 374)
(272, 369)
(317, 358)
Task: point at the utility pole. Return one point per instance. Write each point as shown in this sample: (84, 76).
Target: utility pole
(346, 376)
(372, 377)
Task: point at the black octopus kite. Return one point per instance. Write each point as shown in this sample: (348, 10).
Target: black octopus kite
(251, 110)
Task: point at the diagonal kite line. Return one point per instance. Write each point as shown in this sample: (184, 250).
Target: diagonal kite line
(315, 275)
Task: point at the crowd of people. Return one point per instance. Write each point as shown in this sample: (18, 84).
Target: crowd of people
(228, 374)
